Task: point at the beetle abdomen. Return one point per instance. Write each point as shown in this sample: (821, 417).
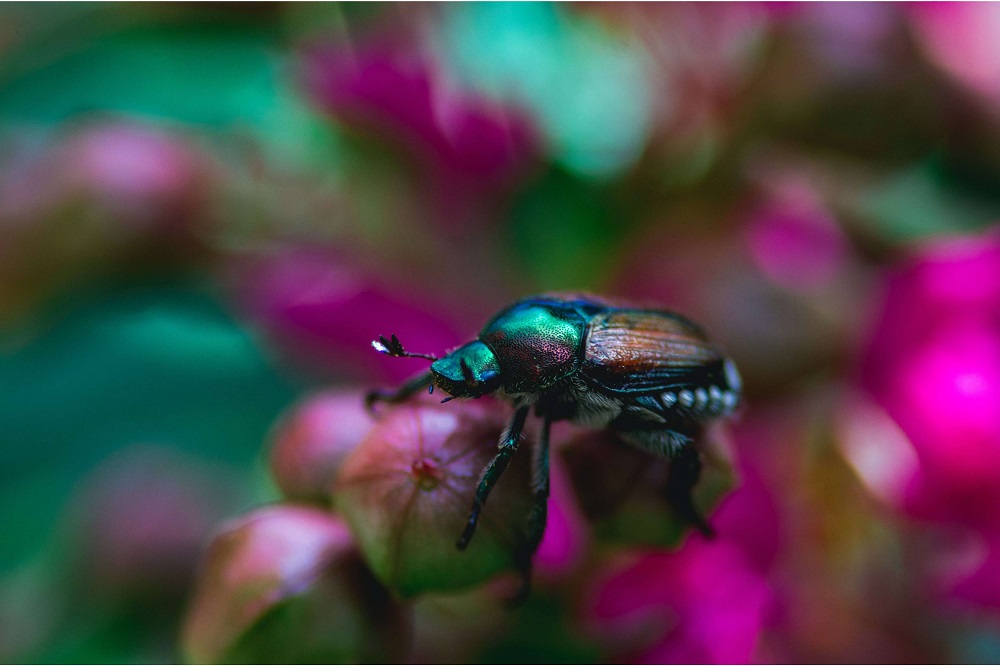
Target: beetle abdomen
(714, 392)
(649, 351)
(689, 404)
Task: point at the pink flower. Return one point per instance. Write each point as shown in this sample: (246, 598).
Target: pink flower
(144, 175)
(961, 38)
(400, 91)
(947, 397)
(94, 198)
(130, 180)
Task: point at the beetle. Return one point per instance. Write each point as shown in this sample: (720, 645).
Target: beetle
(651, 375)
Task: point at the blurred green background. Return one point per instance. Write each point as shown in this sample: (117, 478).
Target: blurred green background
(208, 210)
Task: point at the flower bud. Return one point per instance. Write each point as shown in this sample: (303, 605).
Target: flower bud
(312, 441)
(95, 198)
(138, 521)
(457, 628)
(407, 489)
(144, 180)
(286, 584)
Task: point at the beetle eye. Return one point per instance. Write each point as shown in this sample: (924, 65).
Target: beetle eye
(488, 376)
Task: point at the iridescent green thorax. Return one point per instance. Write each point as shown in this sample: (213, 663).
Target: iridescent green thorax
(538, 342)
(480, 367)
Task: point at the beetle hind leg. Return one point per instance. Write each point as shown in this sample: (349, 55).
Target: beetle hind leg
(685, 468)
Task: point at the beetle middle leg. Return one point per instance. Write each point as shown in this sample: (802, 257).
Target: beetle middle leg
(539, 511)
(495, 468)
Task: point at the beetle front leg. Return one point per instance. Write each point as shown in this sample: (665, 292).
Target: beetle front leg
(685, 468)
(411, 387)
(508, 445)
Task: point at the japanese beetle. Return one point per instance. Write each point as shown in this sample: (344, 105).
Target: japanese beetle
(651, 375)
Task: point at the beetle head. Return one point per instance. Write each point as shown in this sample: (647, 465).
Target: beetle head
(468, 372)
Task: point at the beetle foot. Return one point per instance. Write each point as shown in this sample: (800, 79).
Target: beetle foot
(470, 527)
(522, 560)
(702, 525)
(523, 591)
(389, 397)
(685, 469)
(372, 397)
(403, 393)
(684, 507)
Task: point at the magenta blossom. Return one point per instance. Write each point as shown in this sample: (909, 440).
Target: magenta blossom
(123, 177)
(402, 92)
(323, 312)
(929, 442)
(709, 602)
(464, 144)
(701, 605)
(933, 364)
(148, 179)
(794, 241)
(86, 202)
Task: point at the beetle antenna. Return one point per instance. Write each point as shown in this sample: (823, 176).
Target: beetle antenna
(393, 347)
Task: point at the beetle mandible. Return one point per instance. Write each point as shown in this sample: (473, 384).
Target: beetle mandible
(651, 375)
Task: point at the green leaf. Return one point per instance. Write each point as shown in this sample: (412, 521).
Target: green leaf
(160, 364)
